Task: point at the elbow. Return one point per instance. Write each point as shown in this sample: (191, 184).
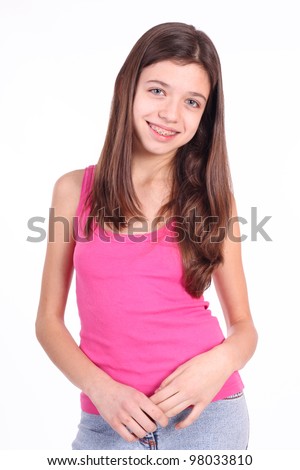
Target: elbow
(42, 327)
(253, 338)
(256, 337)
(47, 326)
(39, 329)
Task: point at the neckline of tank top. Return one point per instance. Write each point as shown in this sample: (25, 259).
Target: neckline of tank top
(155, 234)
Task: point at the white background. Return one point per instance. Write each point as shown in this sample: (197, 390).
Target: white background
(58, 62)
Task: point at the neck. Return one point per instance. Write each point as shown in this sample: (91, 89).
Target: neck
(151, 169)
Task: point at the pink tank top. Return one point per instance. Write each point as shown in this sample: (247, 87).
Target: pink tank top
(138, 323)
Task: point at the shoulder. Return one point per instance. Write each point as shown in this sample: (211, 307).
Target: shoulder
(69, 182)
(67, 189)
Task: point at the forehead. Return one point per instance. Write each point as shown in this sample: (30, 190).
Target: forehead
(182, 77)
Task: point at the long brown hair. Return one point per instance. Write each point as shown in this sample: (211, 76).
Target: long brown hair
(201, 188)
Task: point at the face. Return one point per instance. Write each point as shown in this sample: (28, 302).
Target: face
(169, 102)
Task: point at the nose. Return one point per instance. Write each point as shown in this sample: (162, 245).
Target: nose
(170, 111)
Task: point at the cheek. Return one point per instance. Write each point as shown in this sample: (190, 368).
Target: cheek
(193, 125)
(138, 111)
(136, 108)
(143, 106)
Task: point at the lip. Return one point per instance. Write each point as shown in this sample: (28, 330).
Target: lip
(169, 129)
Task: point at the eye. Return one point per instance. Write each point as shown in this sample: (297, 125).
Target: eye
(157, 91)
(193, 103)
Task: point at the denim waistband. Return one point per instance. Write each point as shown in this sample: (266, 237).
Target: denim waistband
(235, 395)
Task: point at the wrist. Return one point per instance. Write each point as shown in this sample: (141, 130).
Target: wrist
(223, 357)
(95, 382)
(227, 357)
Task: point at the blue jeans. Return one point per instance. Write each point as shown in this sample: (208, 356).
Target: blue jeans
(224, 424)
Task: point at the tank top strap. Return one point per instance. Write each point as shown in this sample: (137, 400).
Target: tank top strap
(86, 185)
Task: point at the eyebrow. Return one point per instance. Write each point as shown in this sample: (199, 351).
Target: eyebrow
(164, 84)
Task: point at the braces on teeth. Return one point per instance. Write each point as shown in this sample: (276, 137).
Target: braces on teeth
(162, 131)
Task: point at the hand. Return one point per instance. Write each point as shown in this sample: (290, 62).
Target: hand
(196, 382)
(129, 412)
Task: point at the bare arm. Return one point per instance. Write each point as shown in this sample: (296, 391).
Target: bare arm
(230, 283)
(118, 403)
(183, 387)
(57, 276)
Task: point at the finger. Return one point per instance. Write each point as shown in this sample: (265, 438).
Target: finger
(169, 379)
(155, 413)
(194, 414)
(144, 420)
(163, 395)
(134, 427)
(172, 402)
(178, 408)
(125, 433)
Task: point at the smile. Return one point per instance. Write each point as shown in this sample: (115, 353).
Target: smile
(162, 131)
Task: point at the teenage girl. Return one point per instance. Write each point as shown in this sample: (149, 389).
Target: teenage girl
(150, 225)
